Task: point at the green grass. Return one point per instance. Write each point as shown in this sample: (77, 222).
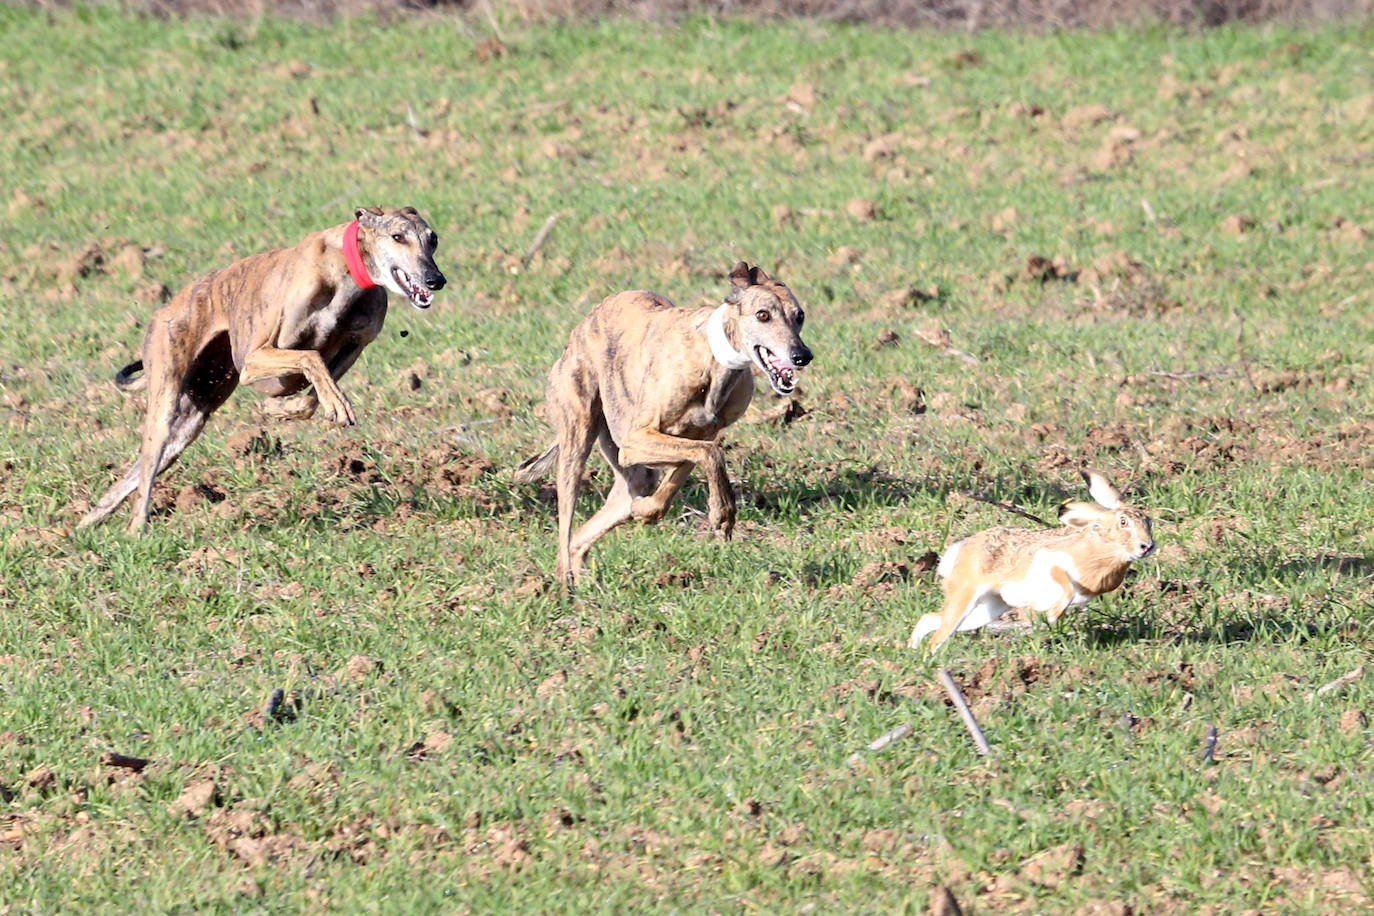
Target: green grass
(676, 739)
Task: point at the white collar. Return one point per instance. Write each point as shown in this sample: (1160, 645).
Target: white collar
(721, 348)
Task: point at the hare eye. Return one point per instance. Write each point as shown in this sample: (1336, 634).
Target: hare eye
(762, 315)
(1125, 522)
(801, 318)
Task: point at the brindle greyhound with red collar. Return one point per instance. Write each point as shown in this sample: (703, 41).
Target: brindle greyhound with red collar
(278, 321)
(654, 385)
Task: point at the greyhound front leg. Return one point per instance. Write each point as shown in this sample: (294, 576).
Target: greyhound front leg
(271, 362)
(660, 450)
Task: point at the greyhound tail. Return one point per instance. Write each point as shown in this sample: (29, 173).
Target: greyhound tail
(534, 468)
(124, 379)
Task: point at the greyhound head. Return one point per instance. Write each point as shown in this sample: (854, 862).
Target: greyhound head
(768, 324)
(398, 246)
(1124, 527)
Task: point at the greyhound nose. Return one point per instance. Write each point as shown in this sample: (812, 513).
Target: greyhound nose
(435, 280)
(1146, 546)
(800, 356)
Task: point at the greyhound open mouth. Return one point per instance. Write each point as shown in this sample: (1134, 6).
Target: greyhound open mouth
(419, 297)
(782, 375)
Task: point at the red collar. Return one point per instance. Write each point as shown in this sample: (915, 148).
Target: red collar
(354, 258)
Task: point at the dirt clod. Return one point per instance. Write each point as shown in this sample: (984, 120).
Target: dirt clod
(861, 209)
(1053, 866)
(195, 798)
(942, 903)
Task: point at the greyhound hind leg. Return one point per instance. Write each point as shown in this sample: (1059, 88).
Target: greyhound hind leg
(632, 484)
(112, 499)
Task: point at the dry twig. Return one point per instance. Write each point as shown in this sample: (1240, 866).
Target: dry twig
(940, 340)
(883, 740)
(1345, 680)
(956, 696)
(1240, 350)
(539, 238)
(1015, 510)
(419, 132)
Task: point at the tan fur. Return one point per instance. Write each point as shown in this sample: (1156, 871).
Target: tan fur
(1046, 570)
(639, 378)
(279, 321)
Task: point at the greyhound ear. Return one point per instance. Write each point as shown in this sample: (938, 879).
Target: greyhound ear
(740, 275)
(758, 276)
(1080, 515)
(1101, 489)
(367, 215)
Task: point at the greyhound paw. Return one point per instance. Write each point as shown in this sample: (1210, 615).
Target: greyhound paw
(342, 413)
(296, 407)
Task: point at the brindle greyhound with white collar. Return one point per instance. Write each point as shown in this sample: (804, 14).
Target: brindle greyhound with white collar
(278, 321)
(654, 385)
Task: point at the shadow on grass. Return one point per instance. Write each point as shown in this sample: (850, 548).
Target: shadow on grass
(1262, 628)
(1343, 564)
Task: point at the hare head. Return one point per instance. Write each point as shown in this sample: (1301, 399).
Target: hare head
(1125, 527)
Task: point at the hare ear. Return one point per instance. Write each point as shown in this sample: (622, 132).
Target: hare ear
(1079, 515)
(1101, 489)
(739, 275)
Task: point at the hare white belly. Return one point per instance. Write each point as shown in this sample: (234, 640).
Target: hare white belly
(985, 607)
(1038, 590)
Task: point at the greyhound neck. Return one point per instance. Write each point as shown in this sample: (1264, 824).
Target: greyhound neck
(721, 348)
(354, 258)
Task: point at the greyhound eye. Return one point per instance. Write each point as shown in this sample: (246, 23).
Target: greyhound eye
(1125, 522)
(801, 318)
(398, 237)
(762, 315)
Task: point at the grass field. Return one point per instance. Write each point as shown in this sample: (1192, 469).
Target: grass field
(1154, 245)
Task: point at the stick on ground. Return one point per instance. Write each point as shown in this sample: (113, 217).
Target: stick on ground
(1345, 680)
(1015, 510)
(883, 740)
(956, 697)
(539, 238)
(1209, 745)
(1240, 349)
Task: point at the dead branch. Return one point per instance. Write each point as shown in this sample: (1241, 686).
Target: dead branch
(539, 238)
(956, 696)
(1209, 744)
(1015, 510)
(419, 132)
(124, 761)
(1345, 680)
(883, 740)
(1240, 350)
(1185, 375)
(940, 340)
